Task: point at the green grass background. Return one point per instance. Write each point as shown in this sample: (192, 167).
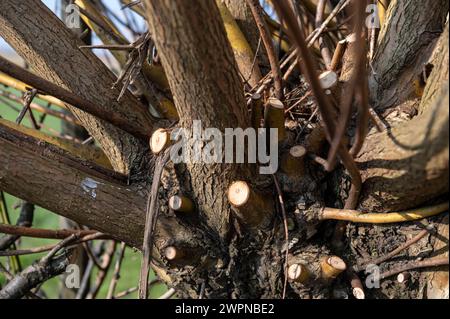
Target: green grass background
(129, 275)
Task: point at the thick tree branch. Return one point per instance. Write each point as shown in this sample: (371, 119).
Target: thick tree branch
(52, 51)
(76, 192)
(83, 152)
(120, 120)
(408, 165)
(405, 45)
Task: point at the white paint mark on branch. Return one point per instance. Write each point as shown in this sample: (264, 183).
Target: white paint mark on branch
(90, 186)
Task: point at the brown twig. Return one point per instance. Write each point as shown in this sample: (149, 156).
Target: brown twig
(101, 275)
(338, 54)
(49, 88)
(37, 250)
(432, 262)
(92, 256)
(322, 100)
(44, 233)
(396, 251)
(34, 106)
(27, 99)
(102, 25)
(308, 66)
(312, 37)
(286, 233)
(150, 223)
(119, 47)
(133, 66)
(362, 122)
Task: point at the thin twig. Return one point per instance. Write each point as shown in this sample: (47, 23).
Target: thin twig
(118, 47)
(116, 275)
(396, 251)
(101, 275)
(45, 233)
(355, 216)
(150, 223)
(258, 15)
(168, 294)
(37, 250)
(125, 293)
(286, 232)
(322, 100)
(324, 49)
(432, 262)
(27, 99)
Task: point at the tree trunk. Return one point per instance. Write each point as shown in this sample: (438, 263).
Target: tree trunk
(407, 165)
(73, 192)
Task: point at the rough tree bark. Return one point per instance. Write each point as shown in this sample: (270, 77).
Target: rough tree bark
(407, 165)
(52, 51)
(439, 74)
(209, 90)
(404, 46)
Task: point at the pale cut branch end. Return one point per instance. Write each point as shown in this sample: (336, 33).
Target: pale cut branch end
(181, 204)
(239, 194)
(160, 140)
(181, 255)
(358, 293)
(252, 208)
(292, 163)
(172, 254)
(328, 80)
(332, 266)
(403, 277)
(298, 273)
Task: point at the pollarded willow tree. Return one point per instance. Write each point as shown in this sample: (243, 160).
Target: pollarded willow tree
(359, 98)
